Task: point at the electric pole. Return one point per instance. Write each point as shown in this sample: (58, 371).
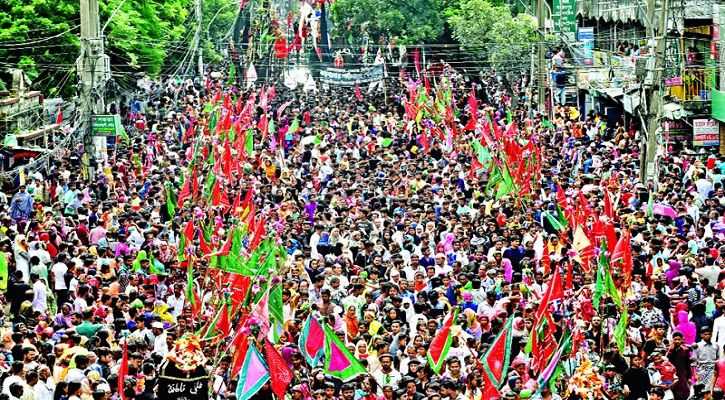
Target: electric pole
(94, 70)
(199, 17)
(541, 59)
(658, 38)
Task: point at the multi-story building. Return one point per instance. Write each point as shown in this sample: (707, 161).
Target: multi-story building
(614, 63)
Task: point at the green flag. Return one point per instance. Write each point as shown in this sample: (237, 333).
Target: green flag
(170, 200)
(212, 121)
(605, 283)
(553, 221)
(275, 303)
(482, 154)
(506, 186)
(620, 332)
(249, 142)
(3, 271)
(338, 360)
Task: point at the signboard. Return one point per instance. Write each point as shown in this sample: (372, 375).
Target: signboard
(175, 384)
(705, 132)
(565, 17)
(676, 131)
(586, 36)
(352, 77)
(105, 125)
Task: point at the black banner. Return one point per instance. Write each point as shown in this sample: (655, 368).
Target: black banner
(352, 77)
(176, 384)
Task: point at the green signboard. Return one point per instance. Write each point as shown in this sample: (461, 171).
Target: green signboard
(105, 125)
(565, 17)
(718, 105)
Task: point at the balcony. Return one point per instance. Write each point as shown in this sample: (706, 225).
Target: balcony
(694, 85)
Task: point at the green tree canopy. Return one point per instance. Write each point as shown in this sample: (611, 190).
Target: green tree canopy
(491, 33)
(411, 22)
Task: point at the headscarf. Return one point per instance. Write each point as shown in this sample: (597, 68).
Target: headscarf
(352, 325)
(687, 328)
(140, 256)
(474, 327)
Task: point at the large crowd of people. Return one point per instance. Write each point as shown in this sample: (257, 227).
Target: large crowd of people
(387, 230)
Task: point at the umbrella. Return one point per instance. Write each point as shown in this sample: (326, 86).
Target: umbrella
(662, 209)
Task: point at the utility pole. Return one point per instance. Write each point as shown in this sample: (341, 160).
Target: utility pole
(541, 59)
(197, 39)
(94, 70)
(658, 38)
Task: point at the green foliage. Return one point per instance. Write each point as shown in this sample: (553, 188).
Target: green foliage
(143, 34)
(23, 23)
(411, 22)
(493, 34)
(41, 37)
(219, 16)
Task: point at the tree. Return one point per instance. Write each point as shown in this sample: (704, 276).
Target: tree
(491, 33)
(512, 39)
(411, 22)
(41, 38)
(219, 16)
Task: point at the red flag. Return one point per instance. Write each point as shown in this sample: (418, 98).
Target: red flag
(123, 371)
(219, 196)
(259, 231)
(240, 344)
(545, 261)
(561, 197)
(263, 125)
(279, 372)
(59, 117)
(280, 49)
(204, 246)
(473, 111)
(236, 204)
(496, 360)
(223, 325)
(194, 183)
(358, 93)
(611, 234)
(608, 208)
(623, 251)
(490, 391)
(424, 141)
(239, 285)
(555, 289)
(184, 193)
(189, 231)
(441, 344)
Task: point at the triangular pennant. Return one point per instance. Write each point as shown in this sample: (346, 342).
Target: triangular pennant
(312, 341)
(441, 343)
(338, 360)
(496, 360)
(253, 376)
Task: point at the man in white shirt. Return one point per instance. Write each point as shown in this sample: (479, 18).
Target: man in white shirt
(176, 301)
(57, 279)
(160, 345)
(386, 375)
(44, 388)
(40, 294)
(16, 371)
(718, 330)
